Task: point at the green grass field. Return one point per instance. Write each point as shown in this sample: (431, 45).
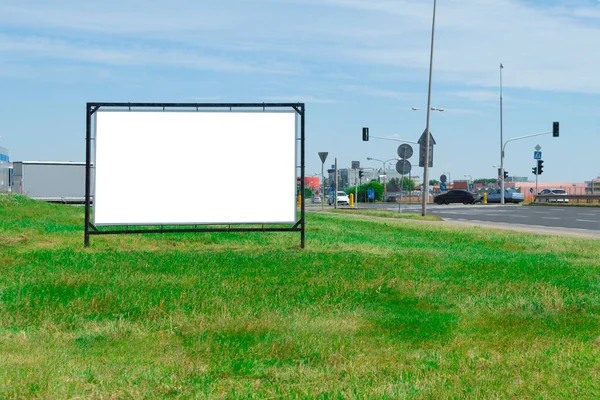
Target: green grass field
(371, 308)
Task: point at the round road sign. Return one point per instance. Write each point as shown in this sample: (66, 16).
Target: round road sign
(403, 167)
(443, 178)
(405, 151)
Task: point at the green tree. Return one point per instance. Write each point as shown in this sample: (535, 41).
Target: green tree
(308, 193)
(408, 184)
(363, 191)
(393, 185)
(486, 180)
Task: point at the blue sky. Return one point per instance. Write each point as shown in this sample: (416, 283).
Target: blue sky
(354, 63)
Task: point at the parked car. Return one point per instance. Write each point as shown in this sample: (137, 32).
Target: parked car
(510, 196)
(342, 198)
(316, 199)
(395, 197)
(456, 196)
(554, 192)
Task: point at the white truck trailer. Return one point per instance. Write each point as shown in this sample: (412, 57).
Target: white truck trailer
(53, 181)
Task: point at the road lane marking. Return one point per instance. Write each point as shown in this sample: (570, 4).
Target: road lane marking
(587, 220)
(550, 218)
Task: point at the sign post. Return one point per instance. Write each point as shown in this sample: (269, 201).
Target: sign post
(323, 157)
(403, 166)
(537, 155)
(425, 153)
(355, 167)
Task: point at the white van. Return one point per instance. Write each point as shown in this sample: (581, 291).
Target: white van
(342, 198)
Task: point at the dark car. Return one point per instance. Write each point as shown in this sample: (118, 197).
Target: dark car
(456, 196)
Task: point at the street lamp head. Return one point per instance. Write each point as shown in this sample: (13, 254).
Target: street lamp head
(415, 108)
(369, 158)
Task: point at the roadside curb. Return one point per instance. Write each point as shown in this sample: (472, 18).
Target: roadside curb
(534, 229)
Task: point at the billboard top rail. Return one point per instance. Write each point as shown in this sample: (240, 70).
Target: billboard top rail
(193, 105)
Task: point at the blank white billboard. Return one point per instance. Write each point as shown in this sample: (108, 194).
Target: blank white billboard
(189, 167)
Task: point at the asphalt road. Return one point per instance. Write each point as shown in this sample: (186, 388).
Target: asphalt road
(587, 218)
(577, 220)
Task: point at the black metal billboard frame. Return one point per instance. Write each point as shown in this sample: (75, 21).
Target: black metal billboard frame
(90, 229)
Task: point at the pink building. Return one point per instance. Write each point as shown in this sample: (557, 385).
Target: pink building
(528, 188)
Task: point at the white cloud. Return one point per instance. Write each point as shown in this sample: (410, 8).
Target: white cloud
(300, 99)
(36, 48)
(543, 47)
(375, 92)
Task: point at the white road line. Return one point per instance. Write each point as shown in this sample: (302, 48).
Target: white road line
(550, 218)
(587, 220)
(592, 214)
(542, 212)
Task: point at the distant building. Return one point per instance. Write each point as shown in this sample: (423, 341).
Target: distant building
(55, 181)
(5, 170)
(593, 186)
(517, 179)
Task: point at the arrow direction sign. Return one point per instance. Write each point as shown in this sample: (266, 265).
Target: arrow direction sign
(422, 149)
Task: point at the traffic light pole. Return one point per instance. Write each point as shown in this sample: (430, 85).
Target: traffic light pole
(394, 139)
(555, 132)
(356, 172)
(536, 180)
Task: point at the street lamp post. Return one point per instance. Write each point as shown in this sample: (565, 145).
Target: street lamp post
(501, 143)
(427, 139)
(384, 171)
(432, 109)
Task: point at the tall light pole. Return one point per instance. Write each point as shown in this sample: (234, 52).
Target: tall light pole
(427, 139)
(501, 143)
(432, 109)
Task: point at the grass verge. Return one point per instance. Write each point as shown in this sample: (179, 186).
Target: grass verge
(370, 309)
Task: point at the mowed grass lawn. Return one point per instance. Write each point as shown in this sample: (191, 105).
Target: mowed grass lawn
(371, 308)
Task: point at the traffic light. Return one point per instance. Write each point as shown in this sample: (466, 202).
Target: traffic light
(360, 174)
(365, 134)
(505, 175)
(534, 170)
(555, 129)
(540, 167)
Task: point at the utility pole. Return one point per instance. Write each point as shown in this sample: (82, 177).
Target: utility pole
(501, 143)
(427, 132)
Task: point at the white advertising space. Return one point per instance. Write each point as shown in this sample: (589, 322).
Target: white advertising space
(195, 167)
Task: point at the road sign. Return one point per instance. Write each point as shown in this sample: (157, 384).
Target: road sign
(371, 194)
(323, 156)
(423, 148)
(537, 155)
(443, 178)
(405, 151)
(538, 147)
(471, 186)
(443, 185)
(355, 164)
(403, 167)
(530, 190)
